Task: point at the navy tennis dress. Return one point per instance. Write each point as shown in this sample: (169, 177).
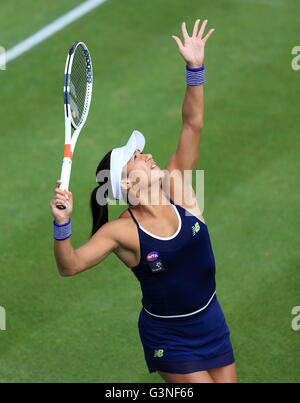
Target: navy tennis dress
(181, 324)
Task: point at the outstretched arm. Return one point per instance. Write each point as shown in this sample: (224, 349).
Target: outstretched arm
(192, 51)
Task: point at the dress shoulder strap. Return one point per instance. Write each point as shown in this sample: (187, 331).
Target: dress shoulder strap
(133, 217)
(170, 200)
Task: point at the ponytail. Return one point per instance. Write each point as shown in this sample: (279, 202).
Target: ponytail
(100, 211)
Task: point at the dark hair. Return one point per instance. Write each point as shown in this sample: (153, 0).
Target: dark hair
(100, 211)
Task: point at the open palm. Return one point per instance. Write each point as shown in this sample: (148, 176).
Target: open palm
(193, 48)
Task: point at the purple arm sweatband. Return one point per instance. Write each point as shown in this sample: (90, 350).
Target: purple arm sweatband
(195, 76)
(62, 232)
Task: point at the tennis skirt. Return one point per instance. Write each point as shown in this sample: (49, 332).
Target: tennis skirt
(184, 345)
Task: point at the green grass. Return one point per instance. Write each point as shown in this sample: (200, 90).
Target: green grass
(85, 328)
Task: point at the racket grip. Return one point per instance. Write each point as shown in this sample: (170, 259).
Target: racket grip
(65, 178)
(65, 173)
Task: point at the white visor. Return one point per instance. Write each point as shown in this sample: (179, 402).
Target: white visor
(119, 158)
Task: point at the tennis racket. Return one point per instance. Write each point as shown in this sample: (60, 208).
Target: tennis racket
(78, 85)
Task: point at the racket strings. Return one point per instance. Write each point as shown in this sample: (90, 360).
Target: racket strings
(78, 85)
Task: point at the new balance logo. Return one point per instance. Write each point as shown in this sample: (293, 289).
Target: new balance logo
(195, 228)
(159, 353)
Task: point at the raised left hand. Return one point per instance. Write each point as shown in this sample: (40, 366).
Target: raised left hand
(193, 48)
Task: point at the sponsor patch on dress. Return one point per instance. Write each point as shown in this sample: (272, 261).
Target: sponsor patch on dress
(157, 266)
(152, 256)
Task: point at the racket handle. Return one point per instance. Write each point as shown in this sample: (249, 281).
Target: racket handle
(65, 173)
(65, 178)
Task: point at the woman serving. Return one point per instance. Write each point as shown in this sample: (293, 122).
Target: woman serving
(163, 239)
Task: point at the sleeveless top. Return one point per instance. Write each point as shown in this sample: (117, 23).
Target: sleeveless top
(176, 273)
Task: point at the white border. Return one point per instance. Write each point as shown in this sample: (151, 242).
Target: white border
(170, 237)
(182, 316)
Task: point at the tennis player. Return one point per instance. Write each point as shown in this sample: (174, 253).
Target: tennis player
(165, 243)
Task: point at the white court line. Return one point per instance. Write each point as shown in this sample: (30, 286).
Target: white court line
(52, 28)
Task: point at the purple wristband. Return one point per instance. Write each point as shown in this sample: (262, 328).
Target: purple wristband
(195, 76)
(62, 232)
